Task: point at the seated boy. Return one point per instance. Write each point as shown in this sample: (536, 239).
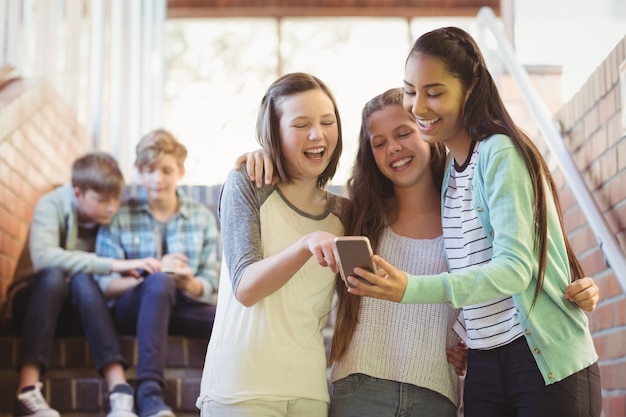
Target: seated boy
(61, 243)
(165, 224)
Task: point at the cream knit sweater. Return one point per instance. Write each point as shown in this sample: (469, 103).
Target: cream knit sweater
(405, 342)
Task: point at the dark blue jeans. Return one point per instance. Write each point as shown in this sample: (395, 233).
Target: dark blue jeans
(153, 309)
(506, 381)
(50, 305)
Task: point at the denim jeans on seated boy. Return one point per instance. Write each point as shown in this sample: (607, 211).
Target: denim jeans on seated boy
(50, 301)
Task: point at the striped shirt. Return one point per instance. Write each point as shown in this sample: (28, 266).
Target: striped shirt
(493, 323)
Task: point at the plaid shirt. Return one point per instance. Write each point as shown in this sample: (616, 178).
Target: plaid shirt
(133, 234)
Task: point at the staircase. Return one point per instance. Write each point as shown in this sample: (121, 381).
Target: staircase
(74, 388)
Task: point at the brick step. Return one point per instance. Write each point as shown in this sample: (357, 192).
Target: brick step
(73, 352)
(81, 390)
(72, 384)
(102, 414)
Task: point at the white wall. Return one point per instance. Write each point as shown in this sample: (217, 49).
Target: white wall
(577, 34)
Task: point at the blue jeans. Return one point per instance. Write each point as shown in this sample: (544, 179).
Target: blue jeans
(49, 301)
(153, 309)
(360, 395)
(506, 381)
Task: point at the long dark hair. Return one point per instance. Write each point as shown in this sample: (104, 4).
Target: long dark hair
(268, 121)
(372, 197)
(484, 115)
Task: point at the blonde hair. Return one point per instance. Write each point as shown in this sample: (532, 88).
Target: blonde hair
(157, 143)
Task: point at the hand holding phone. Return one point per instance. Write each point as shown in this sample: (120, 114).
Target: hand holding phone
(353, 251)
(174, 263)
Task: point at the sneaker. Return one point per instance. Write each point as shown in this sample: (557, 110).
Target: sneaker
(121, 401)
(31, 403)
(150, 401)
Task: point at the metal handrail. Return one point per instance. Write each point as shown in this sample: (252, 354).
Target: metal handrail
(608, 243)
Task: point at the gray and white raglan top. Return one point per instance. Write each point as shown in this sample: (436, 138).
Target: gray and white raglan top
(273, 350)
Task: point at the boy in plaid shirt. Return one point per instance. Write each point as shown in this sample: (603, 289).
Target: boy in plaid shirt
(183, 234)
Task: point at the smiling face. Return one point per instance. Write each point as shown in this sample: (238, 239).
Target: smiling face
(436, 100)
(308, 133)
(400, 154)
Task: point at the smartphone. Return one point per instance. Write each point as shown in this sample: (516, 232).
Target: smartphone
(353, 251)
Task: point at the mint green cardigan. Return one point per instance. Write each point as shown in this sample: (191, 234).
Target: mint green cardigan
(556, 329)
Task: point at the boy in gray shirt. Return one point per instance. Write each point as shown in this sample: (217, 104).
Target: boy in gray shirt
(62, 244)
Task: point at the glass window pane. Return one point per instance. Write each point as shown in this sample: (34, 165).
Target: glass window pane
(218, 69)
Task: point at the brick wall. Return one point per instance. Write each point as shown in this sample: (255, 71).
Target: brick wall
(39, 139)
(593, 131)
